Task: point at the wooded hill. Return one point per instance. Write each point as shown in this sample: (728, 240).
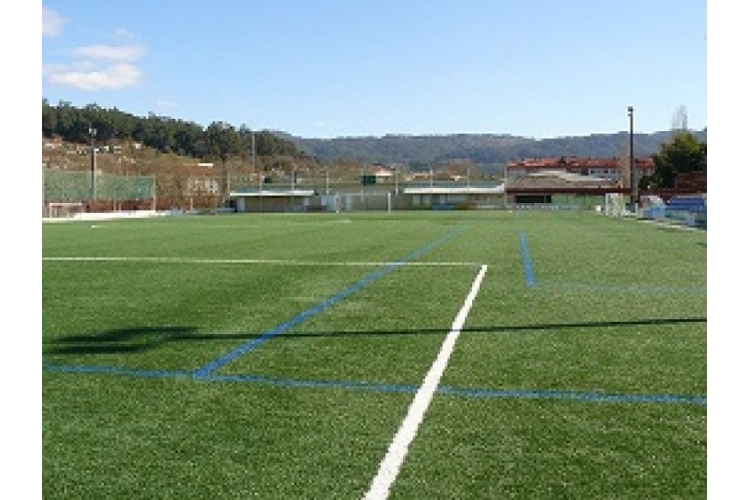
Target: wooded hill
(489, 152)
(218, 141)
(225, 143)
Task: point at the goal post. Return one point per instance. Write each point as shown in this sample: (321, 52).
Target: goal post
(64, 209)
(614, 204)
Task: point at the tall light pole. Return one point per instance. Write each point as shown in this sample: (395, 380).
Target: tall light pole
(260, 175)
(252, 147)
(633, 184)
(92, 133)
(505, 185)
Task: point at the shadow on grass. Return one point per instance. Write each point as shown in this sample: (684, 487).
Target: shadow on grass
(495, 329)
(119, 341)
(134, 340)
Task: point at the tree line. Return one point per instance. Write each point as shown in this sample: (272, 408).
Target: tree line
(490, 152)
(219, 141)
(673, 152)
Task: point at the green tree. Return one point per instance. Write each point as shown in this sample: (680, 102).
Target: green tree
(221, 141)
(49, 119)
(684, 153)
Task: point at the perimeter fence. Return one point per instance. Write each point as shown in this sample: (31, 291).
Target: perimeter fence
(103, 189)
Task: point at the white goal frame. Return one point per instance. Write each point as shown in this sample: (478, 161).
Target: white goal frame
(64, 209)
(614, 204)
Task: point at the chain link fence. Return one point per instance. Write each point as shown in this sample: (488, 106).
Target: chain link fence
(76, 186)
(106, 190)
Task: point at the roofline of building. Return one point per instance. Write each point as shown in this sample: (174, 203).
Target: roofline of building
(272, 193)
(578, 163)
(499, 189)
(568, 190)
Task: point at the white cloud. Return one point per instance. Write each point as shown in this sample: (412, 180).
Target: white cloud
(114, 76)
(97, 67)
(126, 53)
(52, 22)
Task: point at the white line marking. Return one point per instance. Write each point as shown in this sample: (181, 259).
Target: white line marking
(394, 458)
(186, 260)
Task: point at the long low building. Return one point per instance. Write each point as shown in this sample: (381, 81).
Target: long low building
(409, 197)
(545, 187)
(274, 200)
(455, 196)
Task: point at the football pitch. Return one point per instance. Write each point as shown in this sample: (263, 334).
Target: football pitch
(477, 354)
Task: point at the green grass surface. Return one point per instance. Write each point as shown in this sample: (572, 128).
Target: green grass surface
(585, 382)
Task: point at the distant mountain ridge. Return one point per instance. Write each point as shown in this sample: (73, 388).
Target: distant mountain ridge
(489, 151)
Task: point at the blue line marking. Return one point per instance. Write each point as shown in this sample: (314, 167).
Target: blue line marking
(577, 396)
(114, 370)
(528, 266)
(383, 388)
(317, 309)
(325, 384)
(625, 289)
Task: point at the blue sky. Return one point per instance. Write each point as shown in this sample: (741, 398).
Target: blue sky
(328, 68)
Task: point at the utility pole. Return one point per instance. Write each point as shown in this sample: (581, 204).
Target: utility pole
(505, 186)
(633, 183)
(252, 147)
(260, 175)
(92, 133)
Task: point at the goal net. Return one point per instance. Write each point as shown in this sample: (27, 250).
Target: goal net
(64, 210)
(614, 204)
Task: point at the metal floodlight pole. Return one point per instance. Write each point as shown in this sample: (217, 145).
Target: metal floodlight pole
(432, 189)
(252, 147)
(92, 133)
(506, 180)
(294, 180)
(261, 177)
(633, 184)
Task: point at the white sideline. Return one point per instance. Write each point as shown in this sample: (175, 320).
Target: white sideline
(394, 458)
(189, 260)
(97, 216)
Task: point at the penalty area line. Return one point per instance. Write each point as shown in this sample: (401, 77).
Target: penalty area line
(399, 447)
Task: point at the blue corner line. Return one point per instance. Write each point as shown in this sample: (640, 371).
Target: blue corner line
(528, 266)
